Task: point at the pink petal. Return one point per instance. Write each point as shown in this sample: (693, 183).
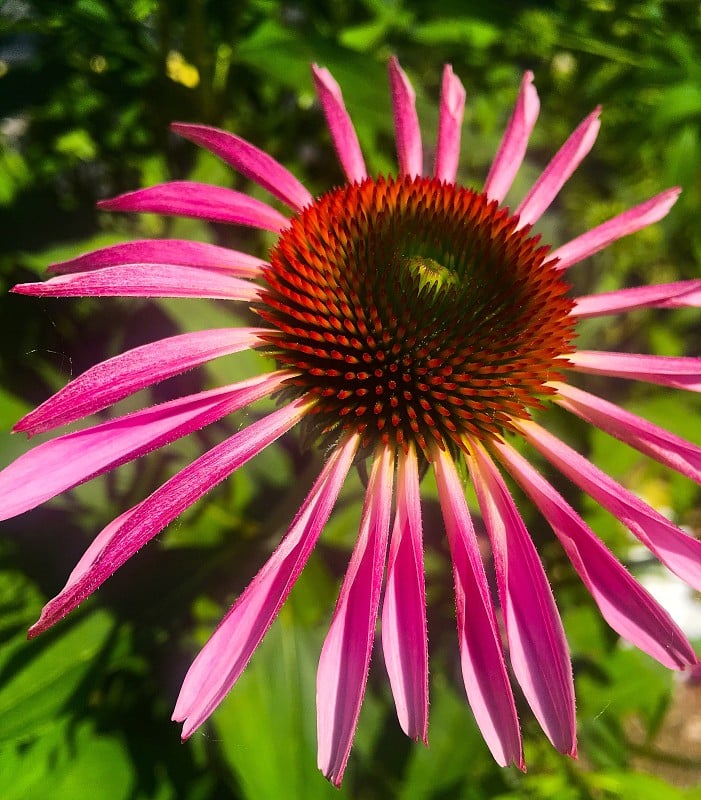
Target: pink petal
(537, 644)
(249, 161)
(623, 602)
(449, 126)
(343, 134)
(556, 174)
(144, 521)
(222, 660)
(662, 295)
(90, 556)
(650, 439)
(674, 548)
(687, 299)
(406, 122)
(118, 377)
(404, 635)
(483, 668)
(513, 145)
(165, 251)
(678, 372)
(69, 460)
(200, 200)
(628, 222)
(144, 280)
(345, 656)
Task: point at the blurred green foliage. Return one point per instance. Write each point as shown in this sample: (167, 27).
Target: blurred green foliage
(87, 90)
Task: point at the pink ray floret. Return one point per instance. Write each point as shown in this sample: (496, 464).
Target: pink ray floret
(406, 122)
(449, 126)
(118, 377)
(202, 201)
(537, 645)
(679, 372)
(222, 660)
(558, 171)
(404, 634)
(169, 252)
(656, 442)
(150, 516)
(343, 134)
(625, 605)
(67, 461)
(672, 546)
(249, 161)
(345, 656)
(512, 149)
(679, 294)
(481, 655)
(144, 280)
(631, 221)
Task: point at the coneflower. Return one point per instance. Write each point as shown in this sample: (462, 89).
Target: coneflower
(411, 323)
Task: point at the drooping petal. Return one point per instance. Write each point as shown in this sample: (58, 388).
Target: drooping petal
(625, 605)
(662, 295)
(689, 299)
(404, 634)
(482, 659)
(144, 280)
(679, 372)
(343, 134)
(98, 544)
(512, 148)
(129, 372)
(179, 252)
(407, 132)
(537, 644)
(202, 201)
(674, 548)
(555, 175)
(449, 126)
(650, 439)
(249, 161)
(635, 219)
(148, 518)
(345, 656)
(67, 461)
(222, 660)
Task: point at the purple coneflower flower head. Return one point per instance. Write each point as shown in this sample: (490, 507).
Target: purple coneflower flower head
(413, 323)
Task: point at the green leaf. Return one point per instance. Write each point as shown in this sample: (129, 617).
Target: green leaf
(67, 764)
(676, 104)
(11, 409)
(38, 678)
(267, 724)
(456, 749)
(625, 785)
(462, 30)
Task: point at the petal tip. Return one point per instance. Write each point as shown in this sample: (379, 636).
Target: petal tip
(321, 75)
(109, 204)
(188, 728)
(27, 288)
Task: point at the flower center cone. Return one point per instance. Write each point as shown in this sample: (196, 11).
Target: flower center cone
(415, 310)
